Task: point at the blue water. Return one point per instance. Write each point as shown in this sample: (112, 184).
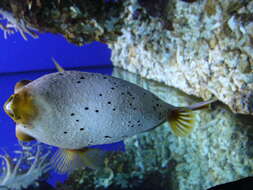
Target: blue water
(20, 59)
(16, 54)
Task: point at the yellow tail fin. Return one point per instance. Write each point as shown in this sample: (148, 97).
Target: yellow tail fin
(182, 120)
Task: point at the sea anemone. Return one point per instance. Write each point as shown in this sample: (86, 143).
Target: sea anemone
(26, 169)
(13, 25)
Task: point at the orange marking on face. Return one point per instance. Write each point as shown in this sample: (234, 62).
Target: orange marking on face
(22, 108)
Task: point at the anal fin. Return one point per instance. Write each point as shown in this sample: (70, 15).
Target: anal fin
(67, 160)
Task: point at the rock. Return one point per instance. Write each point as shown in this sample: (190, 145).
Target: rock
(204, 48)
(80, 22)
(207, 50)
(243, 184)
(219, 150)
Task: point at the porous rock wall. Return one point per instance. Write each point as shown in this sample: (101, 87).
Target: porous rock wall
(204, 48)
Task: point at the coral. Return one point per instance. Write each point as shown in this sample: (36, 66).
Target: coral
(81, 21)
(14, 24)
(23, 171)
(207, 50)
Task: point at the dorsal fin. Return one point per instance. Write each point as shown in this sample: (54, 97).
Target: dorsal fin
(67, 160)
(57, 65)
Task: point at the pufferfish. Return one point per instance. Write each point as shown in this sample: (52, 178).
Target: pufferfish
(73, 110)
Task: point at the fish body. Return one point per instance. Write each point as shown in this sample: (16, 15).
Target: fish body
(73, 110)
(79, 109)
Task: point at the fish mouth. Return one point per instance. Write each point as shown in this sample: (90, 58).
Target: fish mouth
(21, 107)
(8, 107)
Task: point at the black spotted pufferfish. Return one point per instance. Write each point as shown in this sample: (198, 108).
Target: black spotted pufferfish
(72, 110)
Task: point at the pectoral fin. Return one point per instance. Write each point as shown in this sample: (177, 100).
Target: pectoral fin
(23, 136)
(66, 160)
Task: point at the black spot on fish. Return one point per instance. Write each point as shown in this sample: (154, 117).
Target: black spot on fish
(61, 74)
(100, 94)
(82, 77)
(72, 114)
(132, 126)
(138, 121)
(108, 102)
(86, 108)
(105, 77)
(129, 93)
(134, 109)
(112, 88)
(108, 137)
(81, 129)
(133, 98)
(78, 82)
(77, 120)
(97, 111)
(129, 121)
(130, 104)
(113, 109)
(122, 93)
(139, 125)
(65, 132)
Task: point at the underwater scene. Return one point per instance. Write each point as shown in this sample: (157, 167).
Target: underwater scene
(126, 94)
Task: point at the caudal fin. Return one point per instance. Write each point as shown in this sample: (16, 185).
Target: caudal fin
(182, 119)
